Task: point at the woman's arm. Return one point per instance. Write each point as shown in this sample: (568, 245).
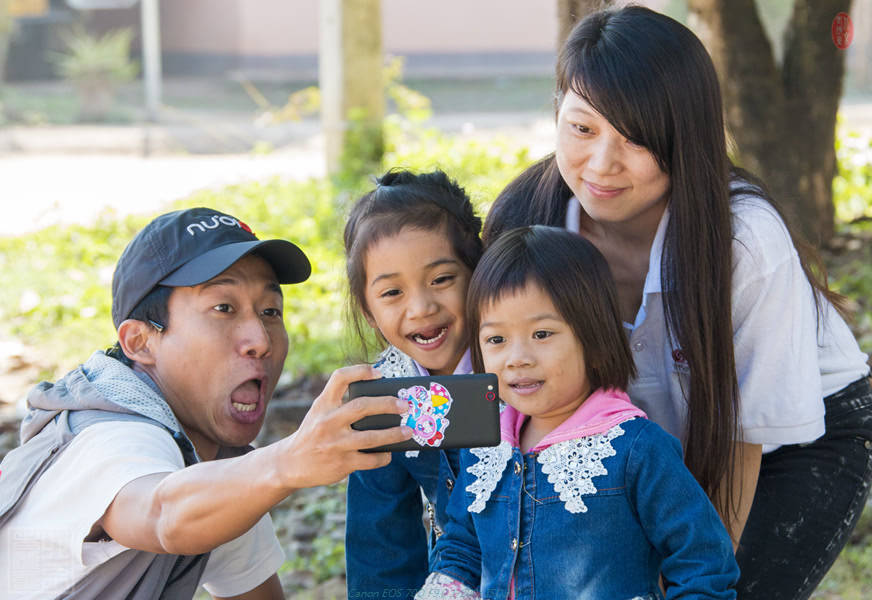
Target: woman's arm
(746, 470)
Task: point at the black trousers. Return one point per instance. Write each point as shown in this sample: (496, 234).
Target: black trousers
(808, 500)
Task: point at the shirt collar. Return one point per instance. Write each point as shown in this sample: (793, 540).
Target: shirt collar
(464, 367)
(602, 410)
(652, 280)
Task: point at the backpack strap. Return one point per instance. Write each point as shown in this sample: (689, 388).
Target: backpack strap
(24, 465)
(139, 575)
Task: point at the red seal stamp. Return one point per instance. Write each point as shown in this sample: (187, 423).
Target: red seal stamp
(843, 31)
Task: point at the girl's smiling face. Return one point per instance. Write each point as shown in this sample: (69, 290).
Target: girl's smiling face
(415, 294)
(536, 355)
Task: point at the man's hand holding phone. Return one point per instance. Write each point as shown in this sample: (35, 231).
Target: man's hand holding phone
(326, 448)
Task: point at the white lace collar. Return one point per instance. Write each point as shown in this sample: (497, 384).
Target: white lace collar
(394, 363)
(488, 470)
(570, 465)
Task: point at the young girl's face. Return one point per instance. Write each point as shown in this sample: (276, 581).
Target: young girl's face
(536, 355)
(415, 293)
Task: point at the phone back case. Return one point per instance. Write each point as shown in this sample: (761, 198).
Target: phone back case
(445, 411)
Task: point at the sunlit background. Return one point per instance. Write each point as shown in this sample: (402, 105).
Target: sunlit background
(112, 111)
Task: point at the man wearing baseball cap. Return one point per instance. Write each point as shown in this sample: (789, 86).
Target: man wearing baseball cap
(134, 478)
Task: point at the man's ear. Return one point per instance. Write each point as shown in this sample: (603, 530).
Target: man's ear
(133, 336)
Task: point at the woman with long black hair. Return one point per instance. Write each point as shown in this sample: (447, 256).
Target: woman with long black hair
(740, 348)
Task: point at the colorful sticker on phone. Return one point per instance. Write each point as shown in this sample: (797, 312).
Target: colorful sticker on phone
(427, 412)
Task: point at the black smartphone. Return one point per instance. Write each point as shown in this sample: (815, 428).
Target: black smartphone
(445, 411)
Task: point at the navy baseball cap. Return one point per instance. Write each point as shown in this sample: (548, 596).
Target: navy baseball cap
(190, 247)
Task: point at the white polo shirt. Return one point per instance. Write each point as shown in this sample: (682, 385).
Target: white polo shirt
(785, 365)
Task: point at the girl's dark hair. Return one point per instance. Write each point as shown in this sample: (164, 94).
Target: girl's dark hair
(153, 308)
(577, 279)
(427, 201)
(653, 80)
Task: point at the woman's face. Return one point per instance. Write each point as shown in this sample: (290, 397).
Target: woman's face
(616, 181)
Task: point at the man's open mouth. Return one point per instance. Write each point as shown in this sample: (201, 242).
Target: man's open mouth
(245, 397)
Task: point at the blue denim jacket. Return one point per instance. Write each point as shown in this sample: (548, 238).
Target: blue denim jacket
(387, 550)
(647, 516)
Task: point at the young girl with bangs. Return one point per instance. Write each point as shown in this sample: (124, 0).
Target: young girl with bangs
(739, 348)
(584, 497)
(411, 245)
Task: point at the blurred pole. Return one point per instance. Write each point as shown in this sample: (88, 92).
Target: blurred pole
(330, 79)
(151, 65)
(350, 65)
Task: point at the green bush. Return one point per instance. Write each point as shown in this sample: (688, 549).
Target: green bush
(57, 296)
(59, 299)
(90, 59)
(96, 66)
(852, 197)
(852, 187)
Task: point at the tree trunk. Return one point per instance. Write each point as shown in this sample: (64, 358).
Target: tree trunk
(5, 34)
(351, 66)
(569, 12)
(781, 117)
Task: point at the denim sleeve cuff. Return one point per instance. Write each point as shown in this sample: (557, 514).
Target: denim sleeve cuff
(443, 587)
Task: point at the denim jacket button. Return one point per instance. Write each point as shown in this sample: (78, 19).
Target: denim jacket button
(517, 468)
(449, 483)
(514, 543)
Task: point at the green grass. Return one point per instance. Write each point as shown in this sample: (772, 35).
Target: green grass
(38, 106)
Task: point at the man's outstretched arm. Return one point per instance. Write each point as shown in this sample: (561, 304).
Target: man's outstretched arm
(198, 508)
